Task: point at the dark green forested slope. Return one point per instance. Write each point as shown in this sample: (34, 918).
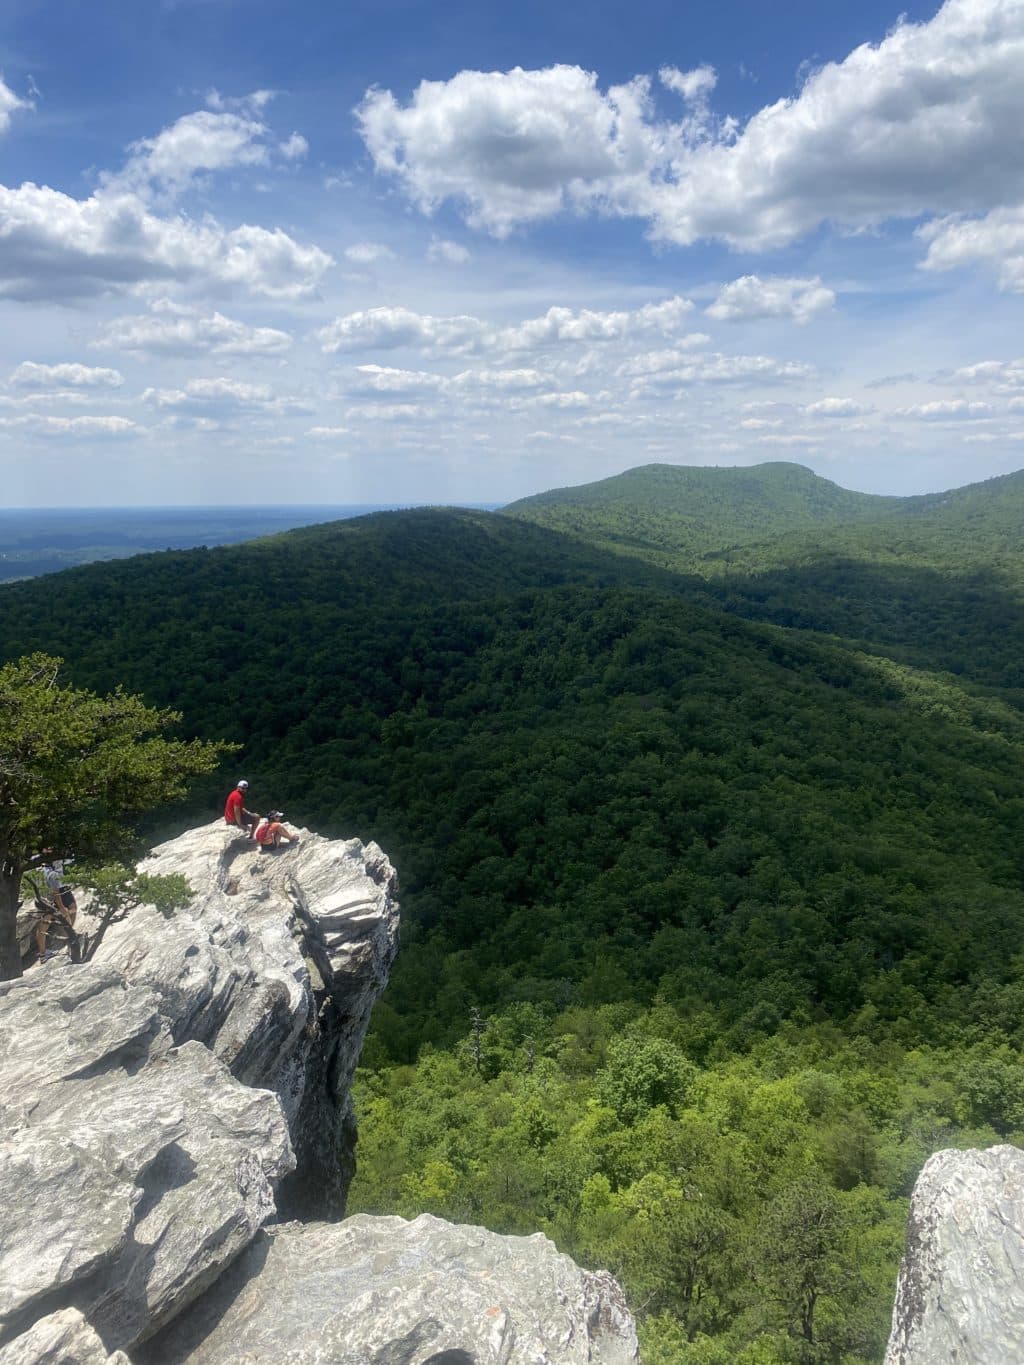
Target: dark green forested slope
(737, 912)
(940, 583)
(36, 541)
(937, 580)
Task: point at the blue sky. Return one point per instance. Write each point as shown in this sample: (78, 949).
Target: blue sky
(252, 252)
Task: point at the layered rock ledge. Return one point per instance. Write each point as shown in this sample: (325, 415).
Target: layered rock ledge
(163, 1105)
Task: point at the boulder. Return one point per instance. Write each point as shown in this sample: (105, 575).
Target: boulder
(383, 1291)
(960, 1295)
(132, 1171)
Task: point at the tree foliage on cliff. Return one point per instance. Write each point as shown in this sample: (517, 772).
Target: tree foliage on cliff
(73, 766)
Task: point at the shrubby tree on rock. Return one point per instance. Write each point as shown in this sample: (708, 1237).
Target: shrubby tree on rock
(73, 767)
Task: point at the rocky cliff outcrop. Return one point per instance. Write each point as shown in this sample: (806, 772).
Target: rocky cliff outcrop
(383, 1291)
(161, 1105)
(960, 1296)
(275, 968)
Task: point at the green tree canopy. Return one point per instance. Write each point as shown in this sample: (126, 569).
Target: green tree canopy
(73, 767)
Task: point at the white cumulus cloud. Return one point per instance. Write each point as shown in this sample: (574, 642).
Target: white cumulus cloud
(1002, 374)
(691, 85)
(72, 376)
(947, 409)
(366, 253)
(773, 297)
(390, 328)
(171, 329)
(220, 396)
(295, 148)
(924, 122)
(712, 367)
(517, 380)
(587, 325)
(388, 380)
(996, 241)
(53, 246)
(511, 147)
(194, 144)
(835, 407)
(73, 426)
(452, 253)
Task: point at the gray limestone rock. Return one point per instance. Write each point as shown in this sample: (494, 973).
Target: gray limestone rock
(275, 966)
(146, 1097)
(150, 1102)
(960, 1296)
(383, 1291)
(131, 1171)
(63, 1338)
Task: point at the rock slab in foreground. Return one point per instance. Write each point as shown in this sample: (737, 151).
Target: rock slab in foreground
(960, 1296)
(383, 1291)
(150, 1100)
(131, 1171)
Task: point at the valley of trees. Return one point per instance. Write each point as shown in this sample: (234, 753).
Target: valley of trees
(710, 846)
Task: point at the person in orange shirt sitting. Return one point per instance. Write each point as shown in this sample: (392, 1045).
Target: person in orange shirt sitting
(270, 832)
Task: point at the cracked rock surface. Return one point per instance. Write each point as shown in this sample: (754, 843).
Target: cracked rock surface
(960, 1295)
(275, 967)
(383, 1291)
(132, 1171)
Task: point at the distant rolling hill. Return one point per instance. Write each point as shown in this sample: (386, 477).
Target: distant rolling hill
(336, 582)
(708, 520)
(674, 515)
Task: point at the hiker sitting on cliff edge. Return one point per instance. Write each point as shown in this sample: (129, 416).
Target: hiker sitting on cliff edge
(235, 812)
(270, 832)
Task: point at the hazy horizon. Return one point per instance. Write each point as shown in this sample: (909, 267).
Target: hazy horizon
(490, 504)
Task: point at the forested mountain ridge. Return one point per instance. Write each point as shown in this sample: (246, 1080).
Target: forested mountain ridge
(672, 514)
(712, 520)
(936, 580)
(980, 526)
(692, 903)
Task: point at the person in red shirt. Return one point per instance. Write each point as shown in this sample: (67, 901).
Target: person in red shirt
(235, 812)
